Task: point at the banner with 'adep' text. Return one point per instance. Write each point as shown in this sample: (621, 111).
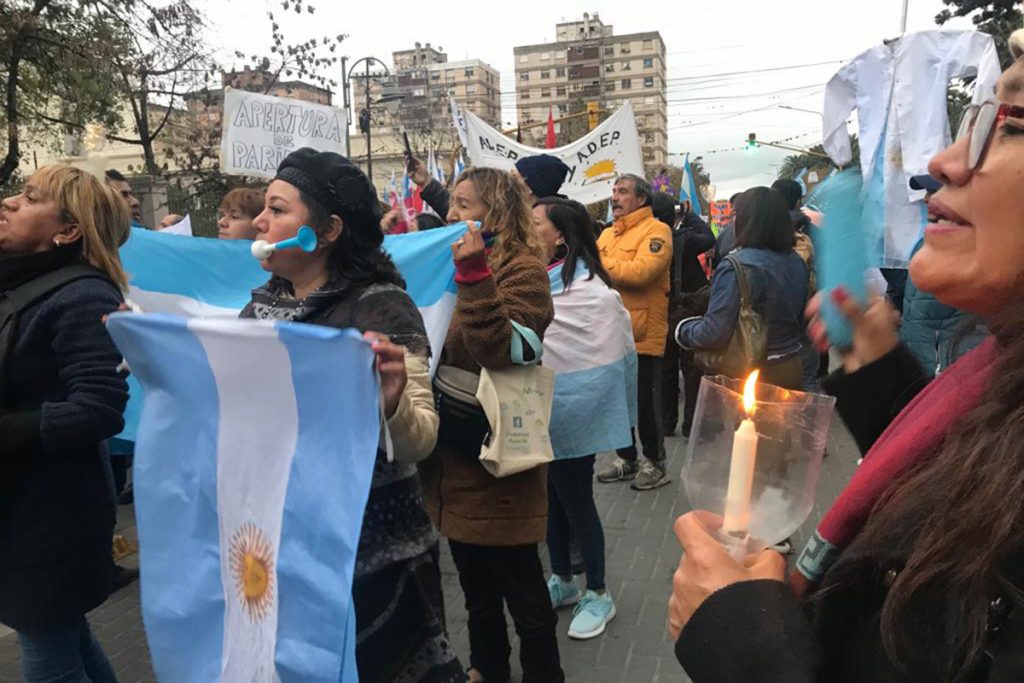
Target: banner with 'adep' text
(259, 131)
(594, 161)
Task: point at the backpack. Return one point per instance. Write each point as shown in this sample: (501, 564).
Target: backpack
(13, 302)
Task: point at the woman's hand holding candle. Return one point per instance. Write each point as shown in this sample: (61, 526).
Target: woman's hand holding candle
(707, 567)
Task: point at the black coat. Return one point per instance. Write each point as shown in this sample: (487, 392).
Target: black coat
(63, 398)
(691, 237)
(758, 631)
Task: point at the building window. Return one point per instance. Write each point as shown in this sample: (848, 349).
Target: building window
(469, 73)
(435, 76)
(649, 138)
(560, 92)
(560, 73)
(545, 92)
(648, 44)
(627, 83)
(609, 50)
(525, 95)
(649, 62)
(609, 68)
(649, 82)
(525, 76)
(624, 49)
(545, 75)
(545, 55)
(625, 66)
(470, 89)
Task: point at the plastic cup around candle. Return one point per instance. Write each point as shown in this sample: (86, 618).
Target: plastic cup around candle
(792, 431)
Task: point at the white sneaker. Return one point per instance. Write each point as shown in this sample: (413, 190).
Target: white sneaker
(563, 593)
(592, 615)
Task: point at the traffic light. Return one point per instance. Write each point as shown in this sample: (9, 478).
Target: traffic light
(364, 120)
(752, 142)
(592, 115)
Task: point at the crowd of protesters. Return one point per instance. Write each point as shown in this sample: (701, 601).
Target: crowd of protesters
(924, 585)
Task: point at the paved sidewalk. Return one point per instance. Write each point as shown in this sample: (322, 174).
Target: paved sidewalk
(642, 554)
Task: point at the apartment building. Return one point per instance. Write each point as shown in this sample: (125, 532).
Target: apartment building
(589, 63)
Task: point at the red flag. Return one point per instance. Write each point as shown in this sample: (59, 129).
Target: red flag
(549, 142)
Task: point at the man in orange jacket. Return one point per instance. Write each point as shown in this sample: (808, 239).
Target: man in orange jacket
(637, 252)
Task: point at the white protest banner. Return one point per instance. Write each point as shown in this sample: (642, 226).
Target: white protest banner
(594, 161)
(260, 131)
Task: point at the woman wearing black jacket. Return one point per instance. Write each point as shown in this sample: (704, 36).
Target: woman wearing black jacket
(60, 398)
(348, 281)
(917, 572)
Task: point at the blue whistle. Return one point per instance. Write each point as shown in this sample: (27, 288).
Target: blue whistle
(305, 240)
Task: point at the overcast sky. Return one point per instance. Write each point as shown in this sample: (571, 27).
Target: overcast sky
(702, 38)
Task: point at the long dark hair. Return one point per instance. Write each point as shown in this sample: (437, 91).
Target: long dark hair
(577, 227)
(356, 255)
(960, 514)
(762, 221)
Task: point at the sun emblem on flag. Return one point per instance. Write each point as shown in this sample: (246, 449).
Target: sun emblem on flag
(252, 567)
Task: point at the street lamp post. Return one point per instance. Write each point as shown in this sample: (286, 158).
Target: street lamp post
(365, 121)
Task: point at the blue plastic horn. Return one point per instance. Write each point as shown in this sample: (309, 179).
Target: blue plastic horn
(305, 240)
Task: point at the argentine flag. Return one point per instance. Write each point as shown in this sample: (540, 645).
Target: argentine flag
(252, 469)
(199, 277)
(688, 188)
(589, 345)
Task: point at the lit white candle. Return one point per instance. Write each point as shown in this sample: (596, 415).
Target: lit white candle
(741, 467)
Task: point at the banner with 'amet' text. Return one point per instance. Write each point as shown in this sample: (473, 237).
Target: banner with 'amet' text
(594, 161)
(260, 130)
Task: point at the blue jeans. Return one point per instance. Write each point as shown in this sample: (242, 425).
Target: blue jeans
(573, 514)
(67, 654)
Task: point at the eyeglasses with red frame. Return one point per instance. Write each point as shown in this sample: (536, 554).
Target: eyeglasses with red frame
(979, 123)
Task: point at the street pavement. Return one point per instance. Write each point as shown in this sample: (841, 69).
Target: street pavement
(642, 553)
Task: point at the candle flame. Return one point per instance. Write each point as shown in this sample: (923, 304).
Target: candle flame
(750, 392)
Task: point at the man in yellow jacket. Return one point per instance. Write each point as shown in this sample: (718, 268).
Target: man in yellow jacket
(637, 253)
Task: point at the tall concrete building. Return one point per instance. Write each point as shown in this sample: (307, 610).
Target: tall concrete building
(420, 85)
(589, 63)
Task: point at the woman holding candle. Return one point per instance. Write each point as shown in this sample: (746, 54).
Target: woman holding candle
(777, 280)
(916, 572)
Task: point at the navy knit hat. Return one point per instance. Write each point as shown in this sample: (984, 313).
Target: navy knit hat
(543, 173)
(338, 185)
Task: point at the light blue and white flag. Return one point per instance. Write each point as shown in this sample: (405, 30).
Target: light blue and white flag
(460, 166)
(201, 277)
(589, 345)
(252, 470)
(688, 187)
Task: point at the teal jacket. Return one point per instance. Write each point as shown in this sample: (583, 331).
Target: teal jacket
(935, 333)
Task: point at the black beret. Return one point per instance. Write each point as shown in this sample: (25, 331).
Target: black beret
(336, 183)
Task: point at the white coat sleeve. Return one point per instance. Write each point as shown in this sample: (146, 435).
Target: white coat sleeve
(840, 100)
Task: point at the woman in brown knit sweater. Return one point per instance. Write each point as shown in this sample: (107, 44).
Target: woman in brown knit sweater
(494, 525)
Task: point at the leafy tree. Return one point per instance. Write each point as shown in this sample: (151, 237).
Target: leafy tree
(998, 18)
(54, 69)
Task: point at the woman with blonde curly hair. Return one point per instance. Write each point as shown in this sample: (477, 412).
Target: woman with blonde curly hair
(493, 525)
(61, 397)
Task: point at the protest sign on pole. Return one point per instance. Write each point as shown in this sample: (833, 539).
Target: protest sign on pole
(594, 161)
(259, 131)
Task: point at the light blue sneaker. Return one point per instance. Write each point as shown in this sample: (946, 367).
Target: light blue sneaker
(592, 615)
(562, 593)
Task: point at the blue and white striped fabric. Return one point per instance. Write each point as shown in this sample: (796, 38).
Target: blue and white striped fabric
(201, 277)
(252, 469)
(589, 345)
